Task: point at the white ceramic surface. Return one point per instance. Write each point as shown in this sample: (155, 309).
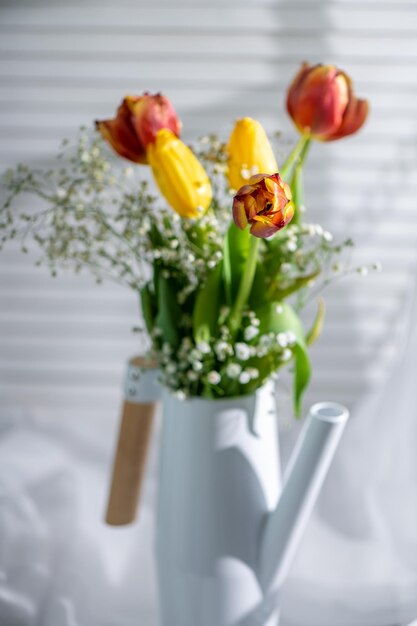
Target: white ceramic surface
(225, 539)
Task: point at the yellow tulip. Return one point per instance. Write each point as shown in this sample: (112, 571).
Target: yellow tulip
(179, 175)
(249, 153)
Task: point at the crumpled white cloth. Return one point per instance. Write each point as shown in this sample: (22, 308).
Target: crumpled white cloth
(60, 565)
(357, 565)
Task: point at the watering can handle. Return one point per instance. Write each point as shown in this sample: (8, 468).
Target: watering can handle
(139, 408)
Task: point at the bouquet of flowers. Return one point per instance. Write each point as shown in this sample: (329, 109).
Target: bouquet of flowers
(223, 259)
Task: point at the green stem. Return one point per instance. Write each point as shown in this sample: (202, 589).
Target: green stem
(297, 184)
(294, 156)
(245, 285)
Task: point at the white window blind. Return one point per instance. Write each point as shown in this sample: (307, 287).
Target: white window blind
(64, 342)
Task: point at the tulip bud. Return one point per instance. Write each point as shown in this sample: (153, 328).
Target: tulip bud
(249, 153)
(179, 175)
(136, 124)
(265, 204)
(322, 104)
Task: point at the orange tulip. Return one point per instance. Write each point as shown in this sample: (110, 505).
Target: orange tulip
(265, 204)
(322, 104)
(136, 124)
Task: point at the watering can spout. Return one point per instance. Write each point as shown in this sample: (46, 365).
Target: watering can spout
(302, 482)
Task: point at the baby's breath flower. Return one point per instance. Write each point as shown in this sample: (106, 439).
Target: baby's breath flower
(61, 193)
(242, 351)
(224, 332)
(203, 347)
(195, 354)
(197, 366)
(327, 236)
(223, 350)
(310, 230)
(267, 340)
(244, 378)
(245, 173)
(250, 332)
(291, 338)
(192, 376)
(233, 370)
(282, 340)
(180, 395)
(214, 377)
(186, 344)
(286, 355)
(253, 372)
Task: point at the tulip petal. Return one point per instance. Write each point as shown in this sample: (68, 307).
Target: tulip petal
(355, 116)
(294, 89)
(179, 175)
(323, 101)
(121, 135)
(151, 113)
(262, 228)
(322, 104)
(239, 214)
(249, 152)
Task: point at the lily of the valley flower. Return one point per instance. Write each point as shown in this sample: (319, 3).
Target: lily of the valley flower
(265, 204)
(136, 124)
(249, 152)
(322, 104)
(179, 175)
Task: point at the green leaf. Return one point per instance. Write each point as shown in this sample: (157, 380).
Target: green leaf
(259, 293)
(302, 375)
(235, 253)
(297, 283)
(317, 327)
(168, 311)
(148, 306)
(207, 307)
(281, 317)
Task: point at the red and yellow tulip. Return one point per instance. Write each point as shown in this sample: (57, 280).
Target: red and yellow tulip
(265, 204)
(249, 152)
(136, 124)
(179, 175)
(323, 105)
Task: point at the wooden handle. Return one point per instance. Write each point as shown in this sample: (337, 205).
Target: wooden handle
(141, 396)
(129, 462)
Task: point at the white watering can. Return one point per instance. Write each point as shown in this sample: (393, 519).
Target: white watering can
(227, 528)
